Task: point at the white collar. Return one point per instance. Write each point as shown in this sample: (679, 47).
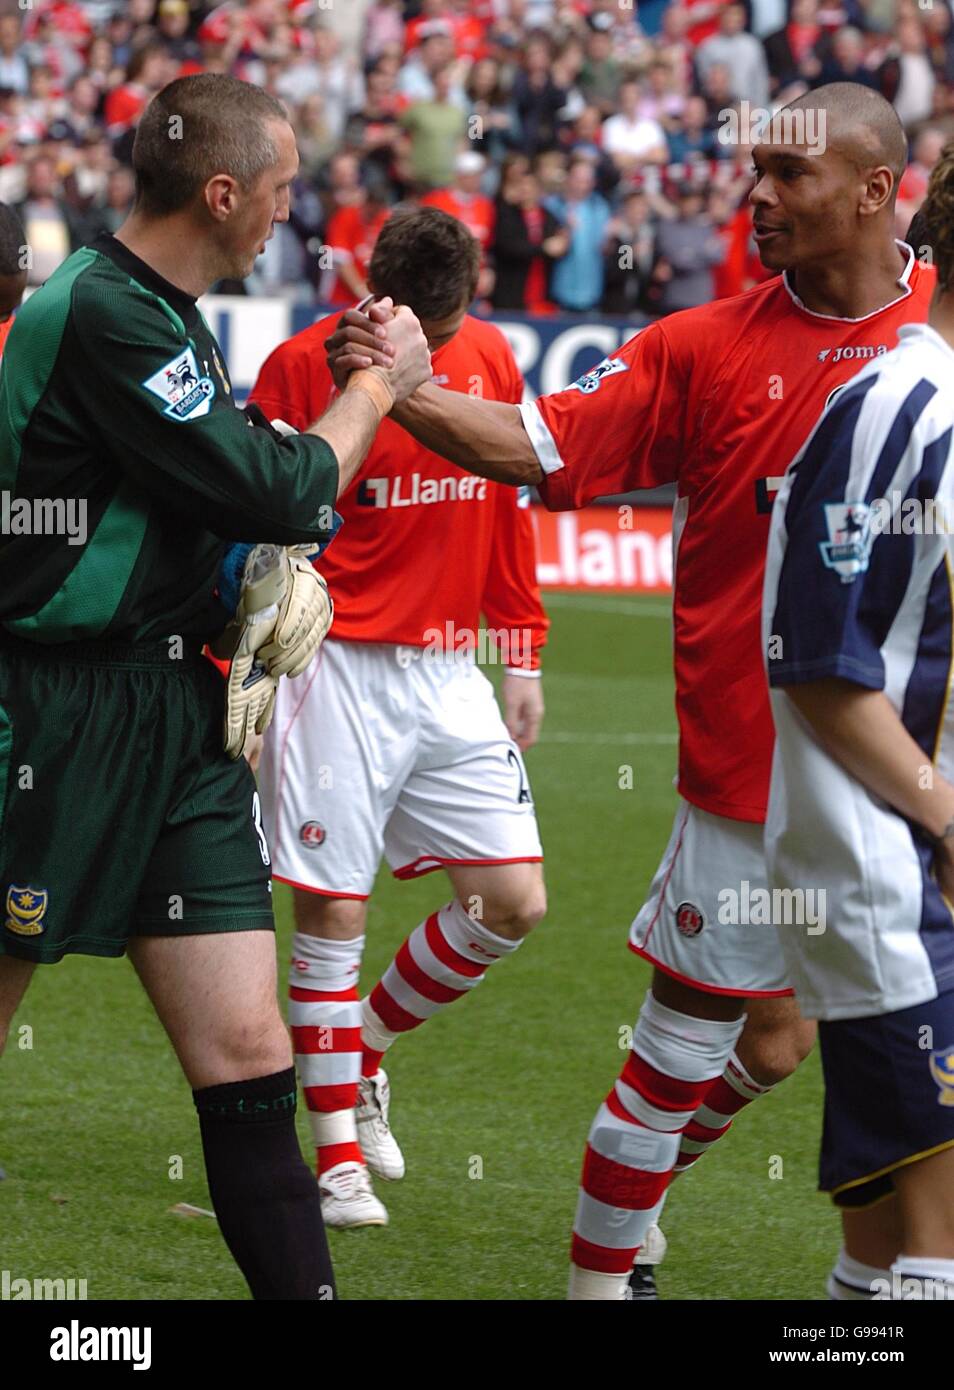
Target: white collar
(903, 280)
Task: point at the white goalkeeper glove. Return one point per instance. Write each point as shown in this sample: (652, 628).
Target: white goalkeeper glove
(304, 617)
(250, 692)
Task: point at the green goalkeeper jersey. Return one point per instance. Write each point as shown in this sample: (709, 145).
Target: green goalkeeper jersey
(125, 466)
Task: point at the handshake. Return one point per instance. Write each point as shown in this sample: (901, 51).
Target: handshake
(387, 341)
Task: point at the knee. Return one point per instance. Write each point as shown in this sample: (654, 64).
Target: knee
(336, 919)
(770, 1055)
(255, 1043)
(514, 915)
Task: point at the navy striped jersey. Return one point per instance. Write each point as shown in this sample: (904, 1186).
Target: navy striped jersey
(858, 586)
(125, 466)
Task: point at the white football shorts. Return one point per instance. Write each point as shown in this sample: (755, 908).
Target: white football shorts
(379, 749)
(708, 918)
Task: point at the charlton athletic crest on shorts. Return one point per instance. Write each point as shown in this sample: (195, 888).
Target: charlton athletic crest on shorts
(942, 1069)
(689, 919)
(312, 834)
(26, 908)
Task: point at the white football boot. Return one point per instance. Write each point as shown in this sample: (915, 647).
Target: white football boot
(347, 1198)
(380, 1148)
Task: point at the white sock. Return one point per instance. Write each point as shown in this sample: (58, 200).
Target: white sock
(590, 1285)
(922, 1277)
(852, 1281)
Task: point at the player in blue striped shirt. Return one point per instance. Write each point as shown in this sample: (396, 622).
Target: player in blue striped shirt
(857, 625)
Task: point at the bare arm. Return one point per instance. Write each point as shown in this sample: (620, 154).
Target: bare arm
(485, 437)
(349, 426)
(861, 730)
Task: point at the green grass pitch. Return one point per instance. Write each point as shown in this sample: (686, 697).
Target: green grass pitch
(492, 1099)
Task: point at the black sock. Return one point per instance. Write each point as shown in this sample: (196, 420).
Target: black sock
(265, 1196)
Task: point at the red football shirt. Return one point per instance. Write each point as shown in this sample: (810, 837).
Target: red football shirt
(718, 399)
(424, 545)
(5, 333)
(477, 213)
(351, 237)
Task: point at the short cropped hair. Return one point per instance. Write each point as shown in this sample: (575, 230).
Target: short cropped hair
(195, 128)
(426, 259)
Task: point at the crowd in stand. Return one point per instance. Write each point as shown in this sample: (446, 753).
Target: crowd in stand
(584, 142)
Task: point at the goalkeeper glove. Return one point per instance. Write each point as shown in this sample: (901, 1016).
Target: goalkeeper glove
(250, 692)
(304, 617)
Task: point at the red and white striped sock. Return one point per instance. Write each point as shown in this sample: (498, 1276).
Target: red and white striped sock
(729, 1094)
(324, 1013)
(442, 959)
(634, 1141)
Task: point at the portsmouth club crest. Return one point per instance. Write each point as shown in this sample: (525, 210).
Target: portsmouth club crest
(848, 547)
(26, 908)
(186, 394)
(942, 1070)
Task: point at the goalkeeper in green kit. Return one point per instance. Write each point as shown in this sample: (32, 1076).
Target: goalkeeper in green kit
(128, 822)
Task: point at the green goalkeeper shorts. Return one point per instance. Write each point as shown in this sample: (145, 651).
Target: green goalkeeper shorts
(120, 815)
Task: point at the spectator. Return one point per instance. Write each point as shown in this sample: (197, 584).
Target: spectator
(418, 77)
(109, 214)
(49, 226)
(527, 240)
(631, 139)
(586, 142)
(374, 132)
(465, 201)
(351, 235)
(385, 27)
(846, 62)
(14, 69)
(675, 48)
(629, 256)
(316, 143)
(741, 53)
(914, 181)
(601, 74)
(692, 138)
(717, 93)
(436, 128)
(914, 97)
(688, 247)
(549, 168)
(660, 100)
(791, 52)
(78, 111)
(537, 97)
(939, 33)
(496, 132)
(577, 281)
(173, 30)
(330, 74)
(149, 69)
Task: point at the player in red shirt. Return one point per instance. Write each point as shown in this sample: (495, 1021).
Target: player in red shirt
(13, 271)
(352, 234)
(395, 743)
(717, 399)
(465, 201)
